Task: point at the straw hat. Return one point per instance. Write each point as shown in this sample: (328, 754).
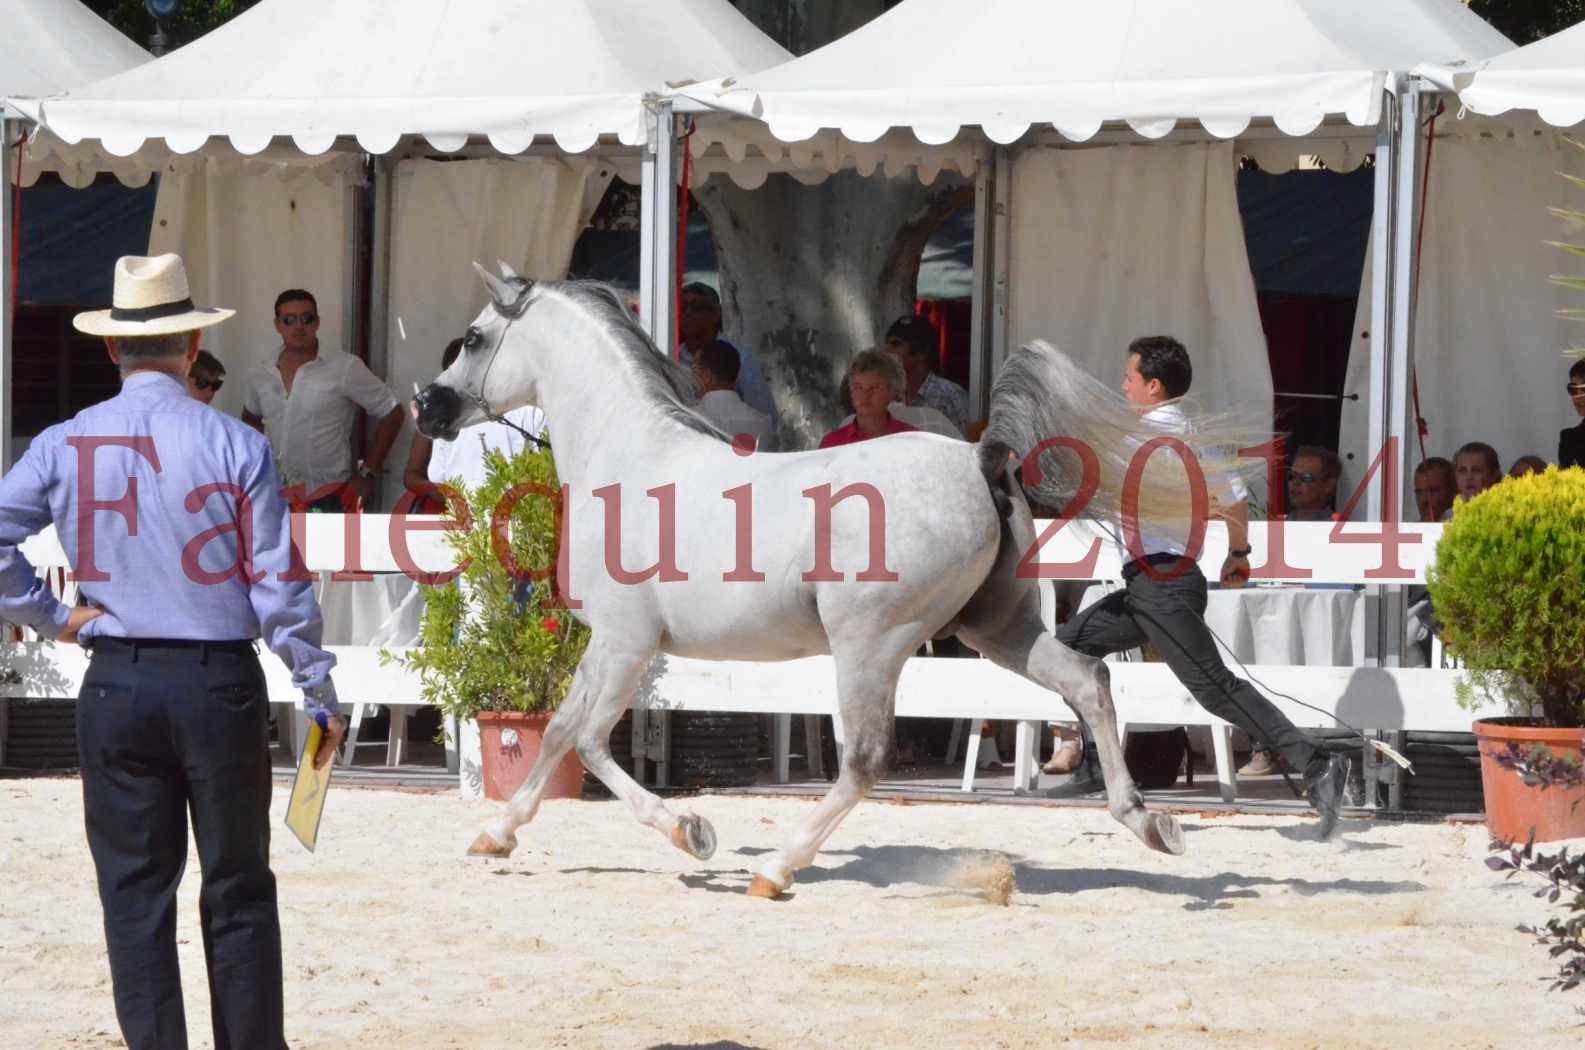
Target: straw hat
(151, 298)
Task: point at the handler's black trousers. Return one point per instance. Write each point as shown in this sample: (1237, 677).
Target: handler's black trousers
(165, 728)
(1168, 614)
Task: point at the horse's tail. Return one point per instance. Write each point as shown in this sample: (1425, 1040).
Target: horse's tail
(1041, 394)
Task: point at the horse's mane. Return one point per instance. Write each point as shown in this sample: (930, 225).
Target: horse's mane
(664, 385)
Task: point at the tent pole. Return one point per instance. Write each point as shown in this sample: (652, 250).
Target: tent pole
(1392, 276)
(8, 219)
(658, 225)
(980, 338)
(1001, 260)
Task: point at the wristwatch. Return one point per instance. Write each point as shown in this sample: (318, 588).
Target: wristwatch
(1244, 553)
(363, 471)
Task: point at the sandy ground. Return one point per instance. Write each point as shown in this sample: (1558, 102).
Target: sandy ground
(598, 934)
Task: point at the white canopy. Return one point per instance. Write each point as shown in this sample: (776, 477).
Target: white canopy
(50, 46)
(377, 70)
(1547, 76)
(1007, 65)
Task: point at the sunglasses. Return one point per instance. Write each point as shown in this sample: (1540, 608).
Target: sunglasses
(209, 384)
(698, 306)
(296, 319)
(1307, 478)
(1575, 389)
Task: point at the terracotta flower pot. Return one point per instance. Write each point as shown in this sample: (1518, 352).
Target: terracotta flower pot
(1513, 807)
(509, 742)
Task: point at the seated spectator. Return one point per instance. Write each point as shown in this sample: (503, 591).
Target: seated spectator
(700, 325)
(1434, 489)
(1571, 442)
(1476, 468)
(715, 369)
(874, 381)
(1312, 484)
(915, 343)
(206, 377)
(1526, 465)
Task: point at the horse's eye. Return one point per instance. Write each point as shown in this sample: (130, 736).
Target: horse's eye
(473, 340)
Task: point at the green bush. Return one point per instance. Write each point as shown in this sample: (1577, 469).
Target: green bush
(1508, 586)
(490, 643)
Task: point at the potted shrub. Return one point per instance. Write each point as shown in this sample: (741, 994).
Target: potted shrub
(1508, 586)
(497, 651)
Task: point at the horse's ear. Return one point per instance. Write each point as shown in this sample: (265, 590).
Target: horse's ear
(507, 292)
(507, 272)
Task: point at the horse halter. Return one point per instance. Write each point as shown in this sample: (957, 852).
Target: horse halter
(477, 396)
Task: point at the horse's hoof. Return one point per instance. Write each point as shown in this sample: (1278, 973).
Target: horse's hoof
(694, 836)
(1163, 834)
(763, 887)
(485, 846)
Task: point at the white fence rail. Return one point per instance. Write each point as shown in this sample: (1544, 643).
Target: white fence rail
(1375, 698)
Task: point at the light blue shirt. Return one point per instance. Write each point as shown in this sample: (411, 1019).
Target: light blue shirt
(166, 564)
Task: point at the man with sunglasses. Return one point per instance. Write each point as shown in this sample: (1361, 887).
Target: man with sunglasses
(305, 399)
(1312, 483)
(1571, 442)
(206, 377)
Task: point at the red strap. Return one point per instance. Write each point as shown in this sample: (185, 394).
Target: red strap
(16, 240)
(1420, 425)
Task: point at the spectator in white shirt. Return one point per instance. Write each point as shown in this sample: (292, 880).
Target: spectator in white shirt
(715, 374)
(305, 400)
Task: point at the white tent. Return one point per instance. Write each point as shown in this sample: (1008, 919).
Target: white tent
(1015, 64)
(46, 47)
(291, 84)
(1547, 76)
(1094, 247)
(510, 70)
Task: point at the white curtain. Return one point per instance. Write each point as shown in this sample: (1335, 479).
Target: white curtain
(245, 239)
(1117, 242)
(1487, 339)
(447, 215)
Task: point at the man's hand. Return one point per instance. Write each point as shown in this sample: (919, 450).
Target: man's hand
(1235, 571)
(76, 620)
(335, 730)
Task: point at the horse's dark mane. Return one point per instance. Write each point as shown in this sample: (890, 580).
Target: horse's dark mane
(664, 384)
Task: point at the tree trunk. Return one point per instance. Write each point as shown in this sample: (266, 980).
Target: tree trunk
(810, 275)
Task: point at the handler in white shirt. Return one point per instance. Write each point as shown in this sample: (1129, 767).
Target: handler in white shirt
(305, 399)
(715, 369)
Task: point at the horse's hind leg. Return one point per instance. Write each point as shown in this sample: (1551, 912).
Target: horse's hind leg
(1085, 683)
(601, 690)
(866, 698)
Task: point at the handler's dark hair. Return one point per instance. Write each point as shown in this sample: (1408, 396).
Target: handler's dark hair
(721, 359)
(1163, 357)
(1576, 371)
(295, 295)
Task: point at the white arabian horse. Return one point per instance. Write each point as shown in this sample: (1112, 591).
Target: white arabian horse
(864, 552)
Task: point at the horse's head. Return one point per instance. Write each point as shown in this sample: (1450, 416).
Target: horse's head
(486, 377)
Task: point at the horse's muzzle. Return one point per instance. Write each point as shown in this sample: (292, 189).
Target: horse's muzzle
(439, 408)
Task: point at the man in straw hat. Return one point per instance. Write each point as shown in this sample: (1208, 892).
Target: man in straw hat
(171, 516)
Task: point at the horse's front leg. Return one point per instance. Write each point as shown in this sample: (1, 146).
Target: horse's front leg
(601, 690)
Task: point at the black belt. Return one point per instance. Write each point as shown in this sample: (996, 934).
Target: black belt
(133, 647)
(1137, 566)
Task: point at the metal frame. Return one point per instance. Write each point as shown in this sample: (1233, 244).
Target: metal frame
(658, 225)
(8, 219)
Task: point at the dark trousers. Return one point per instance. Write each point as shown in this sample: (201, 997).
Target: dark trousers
(164, 730)
(1168, 613)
